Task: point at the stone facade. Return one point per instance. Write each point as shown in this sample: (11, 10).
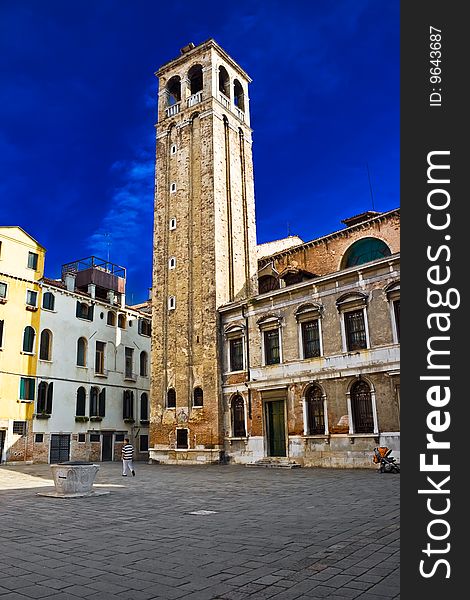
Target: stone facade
(204, 240)
(371, 289)
(303, 367)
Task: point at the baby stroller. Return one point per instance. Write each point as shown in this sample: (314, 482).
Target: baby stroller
(383, 457)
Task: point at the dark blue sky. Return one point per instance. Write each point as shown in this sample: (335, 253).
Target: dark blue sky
(78, 108)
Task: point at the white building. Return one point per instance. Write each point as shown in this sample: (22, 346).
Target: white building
(93, 367)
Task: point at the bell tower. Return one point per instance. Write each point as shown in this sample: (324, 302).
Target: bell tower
(204, 244)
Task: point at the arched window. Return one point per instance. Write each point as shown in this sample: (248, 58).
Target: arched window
(44, 402)
(238, 95)
(45, 345)
(48, 301)
(361, 407)
(195, 79)
(315, 411)
(224, 82)
(198, 397)
(174, 90)
(171, 398)
(97, 402)
(28, 339)
(267, 283)
(144, 407)
(143, 364)
(81, 352)
(122, 321)
(238, 417)
(128, 404)
(81, 402)
(364, 251)
(111, 318)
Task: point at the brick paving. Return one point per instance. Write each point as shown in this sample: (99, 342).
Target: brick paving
(277, 534)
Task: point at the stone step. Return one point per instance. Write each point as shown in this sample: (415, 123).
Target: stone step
(272, 463)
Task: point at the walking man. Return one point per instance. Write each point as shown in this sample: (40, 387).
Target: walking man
(127, 454)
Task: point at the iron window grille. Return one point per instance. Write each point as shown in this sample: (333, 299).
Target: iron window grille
(19, 427)
(355, 329)
(361, 405)
(315, 411)
(271, 347)
(311, 339)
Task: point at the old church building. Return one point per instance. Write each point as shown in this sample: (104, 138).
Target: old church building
(286, 351)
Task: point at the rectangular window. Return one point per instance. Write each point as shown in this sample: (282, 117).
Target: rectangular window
(99, 357)
(27, 389)
(143, 443)
(3, 289)
(31, 298)
(311, 339)
(19, 427)
(32, 260)
(236, 354)
(355, 330)
(119, 437)
(95, 437)
(396, 312)
(82, 438)
(144, 327)
(271, 347)
(129, 359)
(39, 438)
(84, 311)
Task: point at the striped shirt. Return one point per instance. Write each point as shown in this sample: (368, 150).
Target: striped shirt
(127, 452)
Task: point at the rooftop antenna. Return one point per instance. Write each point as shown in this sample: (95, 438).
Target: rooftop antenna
(370, 187)
(288, 229)
(107, 235)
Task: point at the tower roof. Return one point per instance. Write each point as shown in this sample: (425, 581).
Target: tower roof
(191, 50)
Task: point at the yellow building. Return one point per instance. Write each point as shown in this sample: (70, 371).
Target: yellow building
(21, 268)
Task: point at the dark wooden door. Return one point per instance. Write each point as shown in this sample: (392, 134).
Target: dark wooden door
(2, 442)
(107, 448)
(275, 428)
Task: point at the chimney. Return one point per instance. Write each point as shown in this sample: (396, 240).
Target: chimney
(92, 289)
(70, 282)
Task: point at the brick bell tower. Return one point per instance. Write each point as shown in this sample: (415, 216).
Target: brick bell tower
(204, 245)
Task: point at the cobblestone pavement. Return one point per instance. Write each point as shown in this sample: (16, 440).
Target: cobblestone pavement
(267, 533)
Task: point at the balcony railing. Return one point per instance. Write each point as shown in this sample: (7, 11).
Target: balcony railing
(240, 114)
(224, 100)
(194, 99)
(172, 110)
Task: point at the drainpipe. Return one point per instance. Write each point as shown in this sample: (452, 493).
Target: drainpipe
(247, 338)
